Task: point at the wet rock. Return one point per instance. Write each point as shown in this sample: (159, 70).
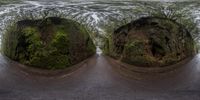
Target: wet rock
(152, 42)
(51, 43)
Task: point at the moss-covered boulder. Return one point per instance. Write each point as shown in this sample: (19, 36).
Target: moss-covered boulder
(50, 43)
(152, 42)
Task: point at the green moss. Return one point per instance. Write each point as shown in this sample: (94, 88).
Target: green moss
(9, 42)
(91, 47)
(50, 61)
(152, 41)
(61, 42)
(53, 55)
(52, 44)
(59, 45)
(144, 60)
(135, 47)
(136, 54)
(106, 47)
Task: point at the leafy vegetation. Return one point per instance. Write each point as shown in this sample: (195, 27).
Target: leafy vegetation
(50, 43)
(175, 11)
(152, 42)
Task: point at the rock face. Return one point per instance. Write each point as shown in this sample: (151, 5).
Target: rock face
(152, 42)
(51, 43)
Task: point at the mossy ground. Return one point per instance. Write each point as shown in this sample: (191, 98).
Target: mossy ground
(51, 43)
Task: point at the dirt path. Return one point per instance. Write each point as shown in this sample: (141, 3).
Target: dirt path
(96, 80)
